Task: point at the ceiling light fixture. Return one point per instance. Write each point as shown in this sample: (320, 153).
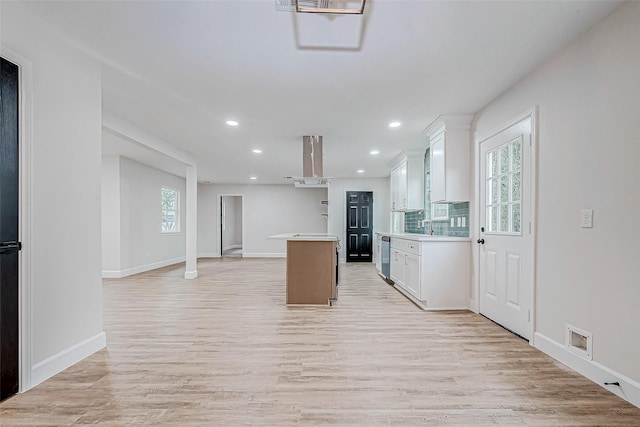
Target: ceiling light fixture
(360, 171)
(343, 7)
(374, 152)
(253, 177)
(394, 124)
(232, 123)
(257, 150)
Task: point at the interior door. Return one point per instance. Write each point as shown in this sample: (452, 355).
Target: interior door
(359, 226)
(9, 245)
(505, 254)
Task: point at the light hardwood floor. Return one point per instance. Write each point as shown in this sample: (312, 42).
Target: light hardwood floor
(224, 350)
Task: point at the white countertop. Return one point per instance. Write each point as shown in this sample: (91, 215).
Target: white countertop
(425, 237)
(306, 236)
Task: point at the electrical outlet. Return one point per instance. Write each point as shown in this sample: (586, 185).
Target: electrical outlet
(586, 218)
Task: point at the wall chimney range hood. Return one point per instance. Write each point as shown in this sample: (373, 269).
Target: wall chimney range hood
(312, 163)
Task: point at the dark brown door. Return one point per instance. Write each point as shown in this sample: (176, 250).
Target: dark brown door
(9, 245)
(359, 226)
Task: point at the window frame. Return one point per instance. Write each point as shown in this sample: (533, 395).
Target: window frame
(439, 211)
(164, 212)
(509, 172)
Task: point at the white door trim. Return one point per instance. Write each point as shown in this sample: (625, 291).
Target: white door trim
(25, 293)
(531, 114)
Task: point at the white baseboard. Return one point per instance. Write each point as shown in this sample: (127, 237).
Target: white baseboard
(235, 246)
(111, 274)
(191, 274)
(629, 389)
(208, 255)
(263, 255)
(57, 363)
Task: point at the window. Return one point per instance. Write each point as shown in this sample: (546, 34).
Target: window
(439, 211)
(170, 210)
(503, 191)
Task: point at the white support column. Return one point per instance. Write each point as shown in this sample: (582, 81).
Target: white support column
(191, 271)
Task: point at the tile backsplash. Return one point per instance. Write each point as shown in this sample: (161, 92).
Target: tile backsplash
(456, 224)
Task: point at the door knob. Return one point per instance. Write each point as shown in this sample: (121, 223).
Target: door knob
(481, 241)
(10, 247)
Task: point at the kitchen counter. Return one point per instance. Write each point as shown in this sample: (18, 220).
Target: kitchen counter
(435, 276)
(320, 237)
(425, 237)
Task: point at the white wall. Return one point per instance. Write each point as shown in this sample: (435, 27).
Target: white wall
(64, 246)
(110, 214)
(143, 245)
(589, 146)
(267, 210)
(338, 205)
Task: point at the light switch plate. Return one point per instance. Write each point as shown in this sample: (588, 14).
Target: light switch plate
(586, 218)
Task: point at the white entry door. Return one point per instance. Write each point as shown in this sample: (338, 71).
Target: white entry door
(506, 260)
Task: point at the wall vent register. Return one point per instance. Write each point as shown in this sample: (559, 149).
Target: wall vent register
(579, 342)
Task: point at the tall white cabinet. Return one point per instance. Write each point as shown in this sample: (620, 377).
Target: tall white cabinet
(450, 143)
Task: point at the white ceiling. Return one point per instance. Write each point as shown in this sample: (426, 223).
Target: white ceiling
(180, 69)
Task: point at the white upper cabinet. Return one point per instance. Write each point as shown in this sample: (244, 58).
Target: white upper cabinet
(438, 178)
(450, 142)
(407, 181)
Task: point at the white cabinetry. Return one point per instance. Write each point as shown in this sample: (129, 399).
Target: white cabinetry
(437, 168)
(398, 270)
(412, 282)
(377, 252)
(450, 142)
(435, 274)
(406, 260)
(407, 181)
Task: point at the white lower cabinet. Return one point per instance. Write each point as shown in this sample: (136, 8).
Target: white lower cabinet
(405, 265)
(435, 274)
(398, 271)
(412, 266)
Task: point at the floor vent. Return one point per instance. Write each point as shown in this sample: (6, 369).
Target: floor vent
(579, 342)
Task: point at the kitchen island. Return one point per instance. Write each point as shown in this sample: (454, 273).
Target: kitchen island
(312, 270)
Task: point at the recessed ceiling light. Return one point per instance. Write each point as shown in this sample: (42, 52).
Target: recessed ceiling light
(360, 171)
(254, 177)
(257, 151)
(232, 123)
(394, 124)
(374, 152)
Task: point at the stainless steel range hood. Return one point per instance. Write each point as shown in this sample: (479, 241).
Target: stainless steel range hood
(312, 163)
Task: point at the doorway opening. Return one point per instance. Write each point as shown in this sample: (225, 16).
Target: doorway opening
(231, 225)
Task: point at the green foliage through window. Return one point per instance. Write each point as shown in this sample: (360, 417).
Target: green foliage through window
(170, 210)
(503, 188)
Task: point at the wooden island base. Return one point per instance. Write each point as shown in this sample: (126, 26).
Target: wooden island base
(311, 272)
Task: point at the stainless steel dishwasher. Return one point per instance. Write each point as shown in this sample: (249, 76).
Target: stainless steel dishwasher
(385, 254)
